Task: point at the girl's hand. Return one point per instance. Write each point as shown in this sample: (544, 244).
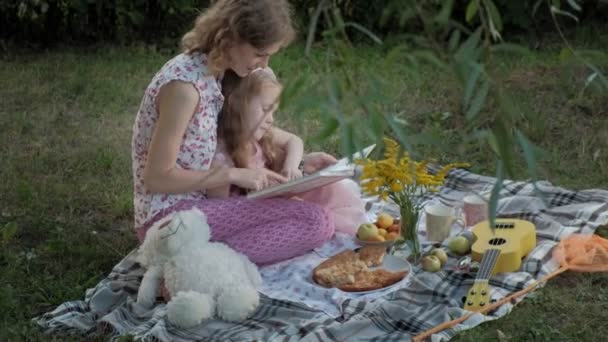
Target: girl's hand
(292, 173)
(316, 161)
(256, 179)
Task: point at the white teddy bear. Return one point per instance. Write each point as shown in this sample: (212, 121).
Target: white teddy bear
(204, 278)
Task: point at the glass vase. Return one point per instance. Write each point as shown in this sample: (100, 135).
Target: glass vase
(409, 247)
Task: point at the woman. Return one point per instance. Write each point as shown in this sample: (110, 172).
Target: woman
(175, 137)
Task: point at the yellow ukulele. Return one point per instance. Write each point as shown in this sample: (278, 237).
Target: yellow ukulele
(500, 251)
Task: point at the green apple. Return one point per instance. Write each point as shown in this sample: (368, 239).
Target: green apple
(431, 263)
(440, 254)
(367, 231)
(459, 245)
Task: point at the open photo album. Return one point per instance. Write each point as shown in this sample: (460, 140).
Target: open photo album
(341, 170)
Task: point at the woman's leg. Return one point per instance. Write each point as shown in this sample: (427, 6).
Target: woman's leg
(266, 231)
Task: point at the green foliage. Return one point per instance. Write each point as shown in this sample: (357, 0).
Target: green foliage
(164, 21)
(464, 49)
(48, 22)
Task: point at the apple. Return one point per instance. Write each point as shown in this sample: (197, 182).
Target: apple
(394, 228)
(384, 220)
(366, 231)
(431, 263)
(459, 245)
(440, 254)
(392, 236)
(382, 232)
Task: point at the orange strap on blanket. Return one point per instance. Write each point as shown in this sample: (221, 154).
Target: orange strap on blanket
(582, 253)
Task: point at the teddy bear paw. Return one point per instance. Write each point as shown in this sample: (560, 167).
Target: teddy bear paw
(189, 308)
(236, 304)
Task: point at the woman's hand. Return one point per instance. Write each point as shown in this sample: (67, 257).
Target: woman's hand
(316, 161)
(256, 179)
(291, 173)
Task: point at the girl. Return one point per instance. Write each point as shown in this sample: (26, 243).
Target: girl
(175, 132)
(248, 139)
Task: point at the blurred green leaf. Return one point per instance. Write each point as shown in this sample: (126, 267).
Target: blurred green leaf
(504, 144)
(472, 9)
(478, 101)
(529, 153)
(491, 141)
(470, 49)
(329, 128)
(365, 31)
(8, 232)
(494, 14)
(471, 82)
(399, 131)
(446, 12)
(347, 140)
(575, 5)
(454, 40)
(495, 194)
(556, 10)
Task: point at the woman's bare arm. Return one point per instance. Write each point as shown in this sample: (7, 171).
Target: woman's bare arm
(221, 191)
(176, 104)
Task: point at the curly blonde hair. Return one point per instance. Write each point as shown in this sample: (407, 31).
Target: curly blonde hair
(238, 93)
(260, 23)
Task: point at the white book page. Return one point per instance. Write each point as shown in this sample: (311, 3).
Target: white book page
(341, 170)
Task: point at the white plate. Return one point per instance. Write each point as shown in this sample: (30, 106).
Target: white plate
(390, 263)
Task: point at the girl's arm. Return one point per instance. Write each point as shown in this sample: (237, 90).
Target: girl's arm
(293, 147)
(176, 104)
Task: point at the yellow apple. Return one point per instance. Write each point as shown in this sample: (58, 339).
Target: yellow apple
(382, 232)
(431, 263)
(459, 245)
(384, 221)
(366, 231)
(440, 254)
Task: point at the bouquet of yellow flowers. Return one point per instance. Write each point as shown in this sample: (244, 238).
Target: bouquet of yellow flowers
(399, 178)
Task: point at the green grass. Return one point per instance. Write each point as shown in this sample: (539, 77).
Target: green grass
(65, 130)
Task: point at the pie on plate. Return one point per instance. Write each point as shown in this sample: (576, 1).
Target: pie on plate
(366, 269)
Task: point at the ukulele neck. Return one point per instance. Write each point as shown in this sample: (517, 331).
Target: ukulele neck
(488, 261)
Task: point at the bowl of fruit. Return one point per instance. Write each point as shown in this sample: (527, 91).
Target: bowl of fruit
(384, 232)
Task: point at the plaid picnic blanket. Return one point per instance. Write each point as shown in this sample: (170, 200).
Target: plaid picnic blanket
(428, 300)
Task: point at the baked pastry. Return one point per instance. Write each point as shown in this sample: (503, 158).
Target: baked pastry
(372, 255)
(349, 271)
(372, 280)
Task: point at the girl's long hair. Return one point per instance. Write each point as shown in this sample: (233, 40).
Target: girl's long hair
(231, 125)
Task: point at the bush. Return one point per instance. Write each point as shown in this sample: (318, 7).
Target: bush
(47, 22)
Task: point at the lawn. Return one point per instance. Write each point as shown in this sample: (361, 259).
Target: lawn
(65, 196)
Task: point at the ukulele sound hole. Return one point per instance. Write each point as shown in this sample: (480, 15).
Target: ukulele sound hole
(497, 241)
